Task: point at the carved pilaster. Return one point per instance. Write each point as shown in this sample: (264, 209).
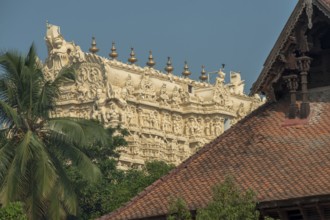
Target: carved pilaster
(309, 12)
(304, 65)
(292, 84)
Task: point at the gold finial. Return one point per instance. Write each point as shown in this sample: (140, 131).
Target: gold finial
(132, 58)
(203, 76)
(151, 61)
(113, 53)
(186, 73)
(93, 48)
(169, 68)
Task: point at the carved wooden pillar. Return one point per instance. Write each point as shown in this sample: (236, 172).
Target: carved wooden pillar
(304, 65)
(292, 83)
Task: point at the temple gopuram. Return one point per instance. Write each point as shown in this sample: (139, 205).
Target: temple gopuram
(281, 150)
(168, 117)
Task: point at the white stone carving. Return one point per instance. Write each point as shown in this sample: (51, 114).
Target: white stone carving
(163, 96)
(168, 117)
(60, 52)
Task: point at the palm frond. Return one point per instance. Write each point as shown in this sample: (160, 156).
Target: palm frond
(36, 207)
(55, 209)
(6, 156)
(71, 153)
(8, 115)
(11, 64)
(44, 170)
(23, 151)
(82, 132)
(64, 187)
(13, 183)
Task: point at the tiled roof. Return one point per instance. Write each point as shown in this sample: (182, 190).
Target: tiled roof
(326, 2)
(261, 152)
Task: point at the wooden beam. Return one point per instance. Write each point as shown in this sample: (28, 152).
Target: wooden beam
(283, 214)
(320, 211)
(303, 212)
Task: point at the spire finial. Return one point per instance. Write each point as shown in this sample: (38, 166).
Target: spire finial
(151, 61)
(203, 76)
(186, 73)
(93, 48)
(132, 58)
(169, 68)
(113, 53)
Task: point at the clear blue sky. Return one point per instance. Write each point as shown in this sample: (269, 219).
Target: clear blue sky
(239, 33)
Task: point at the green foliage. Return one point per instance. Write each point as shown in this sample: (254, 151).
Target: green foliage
(116, 187)
(100, 152)
(230, 203)
(178, 210)
(13, 211)
(34, 147)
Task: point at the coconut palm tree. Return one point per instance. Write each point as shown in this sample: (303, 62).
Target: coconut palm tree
(34, 147)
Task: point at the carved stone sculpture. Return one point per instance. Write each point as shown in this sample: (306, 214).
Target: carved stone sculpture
(169, 117)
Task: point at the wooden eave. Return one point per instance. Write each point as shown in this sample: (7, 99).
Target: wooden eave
(294, 202)
(320, 4)
(265, 78)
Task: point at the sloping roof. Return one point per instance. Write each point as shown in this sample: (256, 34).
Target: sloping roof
(261, 152)
(323, 5)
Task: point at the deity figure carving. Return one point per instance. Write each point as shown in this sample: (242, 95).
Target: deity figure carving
(208, 126)
(184, 95)
(99, 108)
(129, 117)
(124, 93)
(113, 115)
(129, 85)
(236, 84)
(146, 89)
(176, 99)
(241, 111)
(174, 144)
(177, 124)
(218, 126)
(191, 126)
(141, 118)
(163, 96)
(60, 52)
(153, 119)
(167, 125)
(199, 127)
(94, 75)
(83, 91)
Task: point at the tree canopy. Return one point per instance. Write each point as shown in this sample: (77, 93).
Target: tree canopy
(116, 187)
(34, 147)
(228, 202)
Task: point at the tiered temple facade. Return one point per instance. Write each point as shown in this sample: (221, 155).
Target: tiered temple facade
(168, 117)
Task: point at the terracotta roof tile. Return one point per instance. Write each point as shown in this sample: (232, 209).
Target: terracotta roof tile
(325, 2)
(277, 162)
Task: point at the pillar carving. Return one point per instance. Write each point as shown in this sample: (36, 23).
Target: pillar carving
(292, 84)
(304, 65)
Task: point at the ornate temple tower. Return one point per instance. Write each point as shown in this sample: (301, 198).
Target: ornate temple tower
(168, 117)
